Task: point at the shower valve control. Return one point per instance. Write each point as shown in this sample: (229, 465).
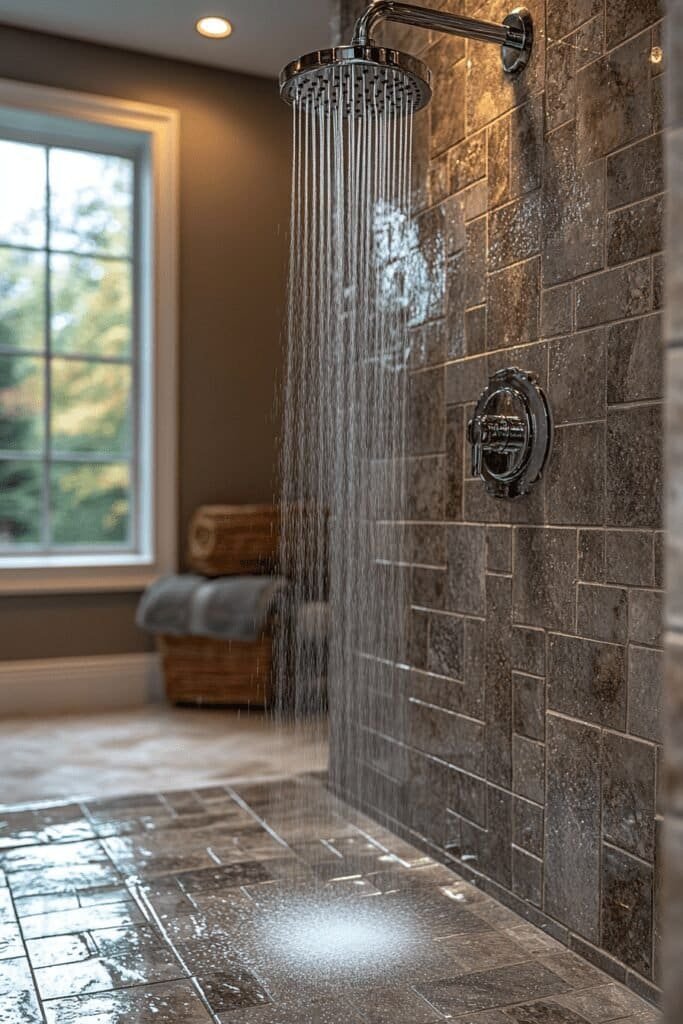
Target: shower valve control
(510, 433)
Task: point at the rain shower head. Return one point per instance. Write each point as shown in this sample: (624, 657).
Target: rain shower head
(366, 78)
(357, 79)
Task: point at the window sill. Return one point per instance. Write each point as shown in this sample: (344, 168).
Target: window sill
(78, 573)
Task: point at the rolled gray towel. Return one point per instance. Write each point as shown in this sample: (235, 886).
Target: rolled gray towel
(235, 607)
(166, 605)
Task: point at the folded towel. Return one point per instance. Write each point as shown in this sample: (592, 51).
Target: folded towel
(235, 607)
(166, 605)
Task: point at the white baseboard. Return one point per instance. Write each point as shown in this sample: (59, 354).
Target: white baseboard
(64, 685)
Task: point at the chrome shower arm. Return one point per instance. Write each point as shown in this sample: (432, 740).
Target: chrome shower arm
(513, 35)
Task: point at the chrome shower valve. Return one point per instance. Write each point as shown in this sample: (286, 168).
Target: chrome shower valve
(510, 433)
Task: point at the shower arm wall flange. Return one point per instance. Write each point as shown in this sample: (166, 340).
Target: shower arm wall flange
(515, 35)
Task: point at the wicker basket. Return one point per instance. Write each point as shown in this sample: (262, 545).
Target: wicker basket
(233, 540)
(203, 671)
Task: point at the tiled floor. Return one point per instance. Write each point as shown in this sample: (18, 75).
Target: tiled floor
(108, 753)
(267, 903)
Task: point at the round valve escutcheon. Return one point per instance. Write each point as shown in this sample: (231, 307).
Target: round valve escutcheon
(511, 433)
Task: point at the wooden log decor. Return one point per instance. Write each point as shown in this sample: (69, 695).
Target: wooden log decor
(198, 670)
(233, 540)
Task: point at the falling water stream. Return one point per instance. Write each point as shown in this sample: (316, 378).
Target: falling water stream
(343, 494)
(343, 487)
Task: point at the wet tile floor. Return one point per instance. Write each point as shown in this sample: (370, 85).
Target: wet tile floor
(268, 903)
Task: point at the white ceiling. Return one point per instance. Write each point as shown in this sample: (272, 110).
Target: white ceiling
(266, 33)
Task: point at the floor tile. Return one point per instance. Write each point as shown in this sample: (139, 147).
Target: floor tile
(11, 945)
(18, 1001)
(395, 1006)
(295, 911)
(232, 990)
(100, 974)
(602, 1003)
(62, 879)
(485, 990)
(175, 1003)
(62, 922)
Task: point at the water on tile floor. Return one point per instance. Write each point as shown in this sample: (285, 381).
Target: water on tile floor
(204, 905)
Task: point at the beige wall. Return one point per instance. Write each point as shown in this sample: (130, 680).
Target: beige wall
(235, 153)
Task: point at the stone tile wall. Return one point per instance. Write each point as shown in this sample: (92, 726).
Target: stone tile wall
(523, 741)
(673, 703)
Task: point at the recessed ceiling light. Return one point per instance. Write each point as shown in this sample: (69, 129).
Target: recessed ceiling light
(214, 27)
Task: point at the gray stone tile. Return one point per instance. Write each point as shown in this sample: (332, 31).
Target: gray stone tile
(446, 652)
(557, 309)
(175, 1003)
(498, 695)
(514, 232)
(527, 827)
(635, 231)
(546, 1010)
(627, 909)
(576, 377)
(629, 558)
(587, 680)
(646, 617)
(565, 18)
(592, 556)
(573, 213)
(18, 1000)
(528, 706)
(635, 360)
(589, 41)
(114, 915)
(448, 126)
(465, 380)
(60, 949)
(394, 1006)
(645, 670)
(602, 613)
(475, 262)
(624, 19)
(499, 549)
(613, 99)
(427, 345)
(600, 1003)
(528, 768)
(445, 735)
(634, 467)
(426, 412)
(498, 150)
(482, 950)
(426, 486)
(467, 162)
(614, 295)
(527, 876)
(489, 989)
(466, 550)
(513, 305)
(575, 475)
(635, 172)
(526, 146)
(628, 794)
(560, 84)
(455, 455)
(572, 855)
(544, 574)
(528, 650)
(99, 974)
(475, 330)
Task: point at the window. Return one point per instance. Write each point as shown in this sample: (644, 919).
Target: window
(86, 459)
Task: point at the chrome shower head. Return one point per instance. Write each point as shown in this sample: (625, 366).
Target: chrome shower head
(365, 78)
(357, 79)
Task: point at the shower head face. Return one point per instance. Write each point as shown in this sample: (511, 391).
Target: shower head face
(357, 80)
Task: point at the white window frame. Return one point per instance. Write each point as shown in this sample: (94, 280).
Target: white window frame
(154, 133)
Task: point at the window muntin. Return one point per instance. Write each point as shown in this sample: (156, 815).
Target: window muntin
(69, 416)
